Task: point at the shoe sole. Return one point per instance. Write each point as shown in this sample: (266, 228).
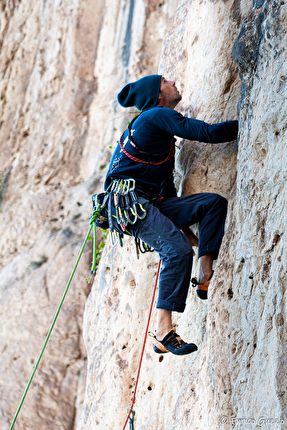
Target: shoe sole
(202, 294)
(158, 347)
(158, 351)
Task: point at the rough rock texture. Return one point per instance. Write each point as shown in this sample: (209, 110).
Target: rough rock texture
(237, 379)
(122, 290)
(61, 64)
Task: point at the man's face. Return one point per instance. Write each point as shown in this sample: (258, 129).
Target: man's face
(168, 95)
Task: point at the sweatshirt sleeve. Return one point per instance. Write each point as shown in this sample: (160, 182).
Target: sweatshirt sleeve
(218, 133)
(176, 124)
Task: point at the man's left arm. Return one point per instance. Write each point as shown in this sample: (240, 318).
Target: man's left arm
(218, 133)
(176, 124)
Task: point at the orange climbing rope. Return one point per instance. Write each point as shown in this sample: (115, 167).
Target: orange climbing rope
(130, 409)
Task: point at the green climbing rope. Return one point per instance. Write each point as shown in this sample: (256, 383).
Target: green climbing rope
(95, 215)
(92, 224)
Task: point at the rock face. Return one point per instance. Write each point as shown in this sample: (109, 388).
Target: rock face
(238, 377)
(61, 64)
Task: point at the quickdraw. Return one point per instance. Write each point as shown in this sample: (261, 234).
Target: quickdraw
(131, 418)
(142, 247)
(128, 209)
(126, 202)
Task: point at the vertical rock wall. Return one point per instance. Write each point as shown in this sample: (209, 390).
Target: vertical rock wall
(239, 380)
(117, 308)
(61, 64)
(47, 85)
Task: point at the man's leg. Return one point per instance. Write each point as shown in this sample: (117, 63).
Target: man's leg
(176, 254)
(210, 211)
(207, 209)
(164, 323)
(205, 267)
(204, 262)
(161, 230)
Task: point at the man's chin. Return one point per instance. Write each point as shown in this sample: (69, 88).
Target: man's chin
(177, 99)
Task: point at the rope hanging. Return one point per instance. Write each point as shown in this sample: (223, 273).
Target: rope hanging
(130, 409)
(95, 215)
(51, 328)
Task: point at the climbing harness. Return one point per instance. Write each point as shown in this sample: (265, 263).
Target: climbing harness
(130, 409)
(119, 202)
(170, 154)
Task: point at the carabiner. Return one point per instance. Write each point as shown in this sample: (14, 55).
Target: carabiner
(131, 419)
(143, 211)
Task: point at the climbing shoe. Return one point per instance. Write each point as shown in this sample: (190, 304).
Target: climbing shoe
(201, 288)
(174, 344)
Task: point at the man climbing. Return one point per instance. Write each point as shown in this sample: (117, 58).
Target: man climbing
(145, 158)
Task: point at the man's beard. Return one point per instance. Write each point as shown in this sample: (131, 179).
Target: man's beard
(177, 99)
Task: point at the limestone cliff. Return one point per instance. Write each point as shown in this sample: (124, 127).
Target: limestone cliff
(61, 64)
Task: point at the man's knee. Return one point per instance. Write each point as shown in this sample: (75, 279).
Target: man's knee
(220, 202)
(180, 252)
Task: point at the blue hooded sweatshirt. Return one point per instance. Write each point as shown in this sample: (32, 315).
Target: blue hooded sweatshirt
(152, 133)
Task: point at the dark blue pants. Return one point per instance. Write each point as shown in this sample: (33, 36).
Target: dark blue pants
(161, 229)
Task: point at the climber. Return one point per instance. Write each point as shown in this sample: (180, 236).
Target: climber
(145, 153)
